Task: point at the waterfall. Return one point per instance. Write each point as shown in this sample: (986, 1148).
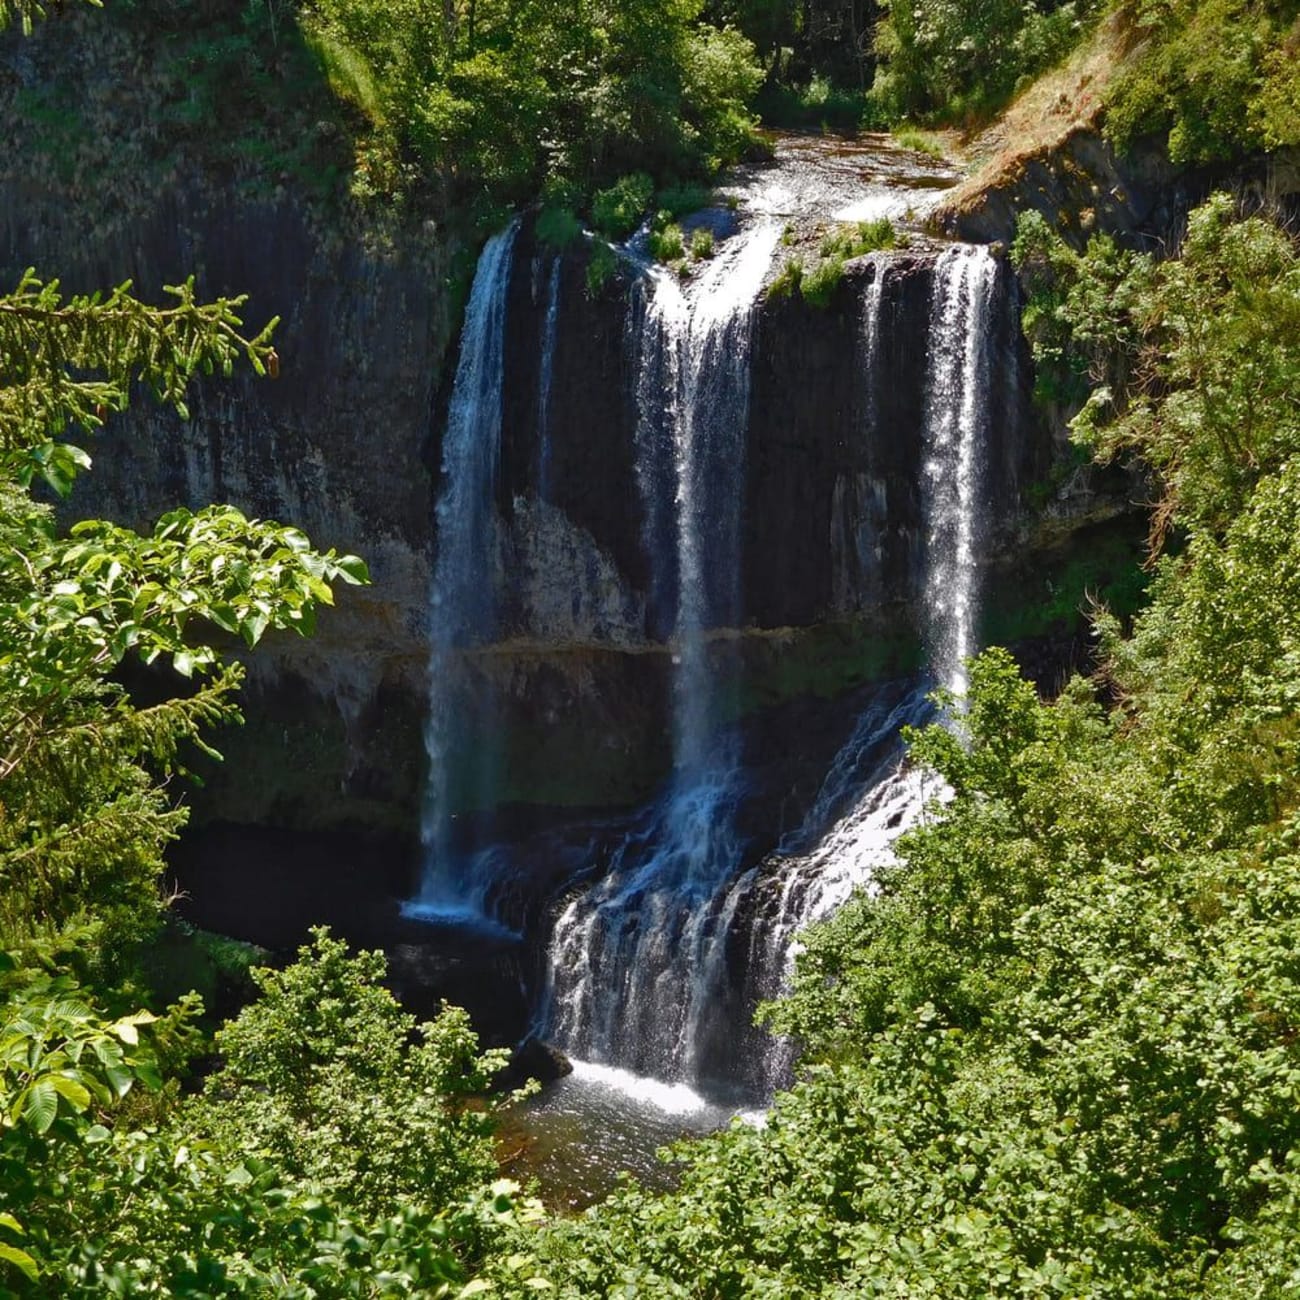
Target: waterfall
(955, 429)
(870, 791)
(642, 964)
(550, 332)
(634, 958)
(462, 600)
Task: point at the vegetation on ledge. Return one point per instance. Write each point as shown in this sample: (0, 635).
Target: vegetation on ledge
(1058, 1051)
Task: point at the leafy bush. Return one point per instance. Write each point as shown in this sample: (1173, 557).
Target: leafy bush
(701, 243)
(948, 61)
(666, 243)
(849, 241)
(601, 268)
(720, 76)
(557, 227)
(682, 200)
(787, 281)
(1220, 77)
(617, 211)
(454, 104)
(819, 103)
(326, 1075)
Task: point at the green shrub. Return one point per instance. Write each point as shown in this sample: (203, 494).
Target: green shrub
(682, 200)
(666, 243)
(818, 285)
(919, 141)
(846, 242)
(326, 1071)
(940, 61)
(720, 76)
(1220, 77)
(617, 211)
(701, 243)
(601, 269)
(788, 281)
(557, 227)
(821, 103)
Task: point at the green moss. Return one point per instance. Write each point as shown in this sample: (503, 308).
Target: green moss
(825, 660)
(1103, 566)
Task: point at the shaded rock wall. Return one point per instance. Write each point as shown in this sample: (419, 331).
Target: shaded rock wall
(1083, 187)
(339, 445)
(347, 445)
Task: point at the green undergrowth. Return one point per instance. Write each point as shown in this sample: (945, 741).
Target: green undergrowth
(816, 282)
(919, 141)
(1101, 570)
(182, 958)
(1220, 78)
(819, 103)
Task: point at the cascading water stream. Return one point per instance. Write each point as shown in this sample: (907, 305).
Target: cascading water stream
(639, 961)
(891, 795)
(462, 592)
(546, 373)
(629, 962)
(955, 429)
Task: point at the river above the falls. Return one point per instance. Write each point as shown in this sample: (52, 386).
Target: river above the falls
(814, 177)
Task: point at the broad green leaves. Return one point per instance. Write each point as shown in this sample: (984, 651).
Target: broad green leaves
(321, 1072)
(501, 97)
(82, 818)
(332, 1156)
(108, 591)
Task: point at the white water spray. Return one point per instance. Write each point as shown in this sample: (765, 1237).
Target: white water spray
(955, 431)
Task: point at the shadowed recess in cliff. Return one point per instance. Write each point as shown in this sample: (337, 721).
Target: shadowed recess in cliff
(462, 599)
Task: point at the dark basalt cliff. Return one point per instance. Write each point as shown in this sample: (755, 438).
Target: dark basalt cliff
(339, 445)
(347, 444)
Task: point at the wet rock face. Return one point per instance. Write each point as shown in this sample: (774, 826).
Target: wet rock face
(346, 444)
(831, 512)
